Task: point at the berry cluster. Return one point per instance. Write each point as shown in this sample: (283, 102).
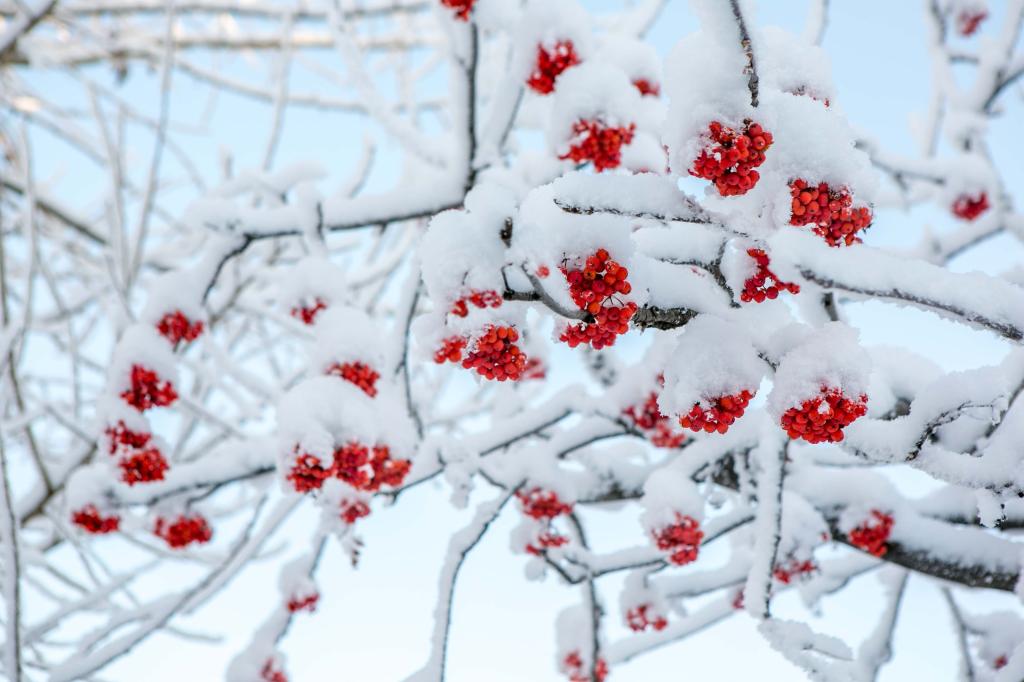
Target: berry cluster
(546, 540)
(143, 466)
(308, 472)
(122, 437)
(764, 284)
(542, 505)
(175, 327)
(658, 428)
(794, 570)
(550, 64)
(495, 355)
(639, 618)
(271, 673)
(89, 519)
(574, 668)
(681, 539)
(1000, 662)
(830, 211)
(967, 21)
(720, 416)
(598, 143)
(647, 88)
(480, 298)
(368, 469)
(358, 373)
(730, 161)
(353, 510)
(967, 207)
(147, 390)
(534, 369)
(303, 603)
(183, 531)
(822, 418)
(873, 533)
(450, 350)
(594, 289)
(308, 313)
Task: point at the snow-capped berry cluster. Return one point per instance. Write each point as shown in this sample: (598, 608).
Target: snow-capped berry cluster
(120, 436)
(599, 143)
(680, 539)
(794, 570)
(450, 350)
(541, 504)
(967, 21)
(647, 88)
(550, 64)
(366, 468)
(271, 673)
(830, 211)
(495, 355)
(175, 327)
(1000, 662)
(723, 411)
(143, 466)
(822, 418)
(305, 602)
(968, 207)
(594, 289)
(353, 510)
(148, 390)
(575, 668)
(89, 519)
(641, 617)
(534, 369)
(479, 298)
(656, 426)
(307, 314)
(764, 284)
(183, 531)
(358, 373)
(308, 472)
(873, 534)
(730, 160)
(546, 539)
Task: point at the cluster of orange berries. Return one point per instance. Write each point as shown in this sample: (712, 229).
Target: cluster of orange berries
(479, 298)
(830, 211)
(598, 143)
(550, 64)
(681, 539)
(183, 531)
(641, 617)
(873, 534)
(593, 289)
(358, 373)
(720, 416)
(822, 419)
(730, 161)
(648, 418)
(764, 284)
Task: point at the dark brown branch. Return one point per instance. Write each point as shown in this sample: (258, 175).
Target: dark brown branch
(748, 51)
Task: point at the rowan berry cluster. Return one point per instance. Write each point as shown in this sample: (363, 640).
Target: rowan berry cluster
(542, 504)
(720, 416)
(143, 466)
(148, 390)
(369, 468)
(967, 21)
(495, 354)
(594, 289)
(308, 472)
(873, 534)
(647, 88)
(644, 616)
(657, 427)
(730, 160)
(89, 519)
(303, 602)
(183, 531)
(450, 350)
(546, 540)
(574, 668)
(534, 369)
(175, 327)
(120, 437)
(830, 211)
(550, 64)
(353, 510)
(794, 570)
(764, 284)
(599, 143)
(822, 418)
(681, 539)
(480, 298)
(271, 673)
(968, 207)
(307, 314)
(358, 373)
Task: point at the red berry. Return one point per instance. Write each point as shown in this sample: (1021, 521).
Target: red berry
(121, 437)
(793, 570)
(534, 369)
(658, 428)
(358, 373)
(764, 284)
(143, 466)
(366, 468)
(183, 531)
(353, 510)
(148, 390)
(595, 288)
(1000, 662)
(598, 143)
(830, 211)
(495, 354)
(968, 207)
(575, 669)
(303, 603)
(872, 534)
(550, 65)
(89, 519)
(967, 21)
(641, 617)
(479, 298)
(730, 160)
(450, 350)
(647, 87)
(462, 8)
(681, 539)
(822, 418)
(542, 504)
(308, 472)
(271, 673)
(175, 327)
(720, 416)
(308, 313)
(546, 540)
